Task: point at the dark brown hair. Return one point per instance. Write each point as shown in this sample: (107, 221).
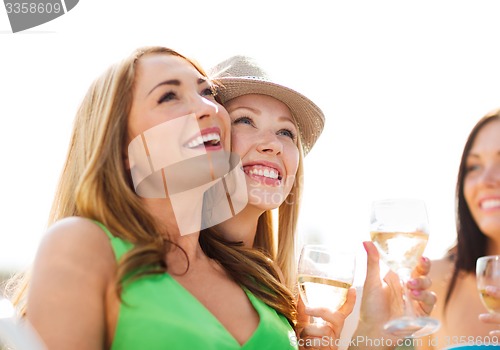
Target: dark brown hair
(471, 242)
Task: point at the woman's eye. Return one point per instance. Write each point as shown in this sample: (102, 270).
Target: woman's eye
(210, 91)
(287, 133)
(243, 120)
(472, 167)
(167, 97)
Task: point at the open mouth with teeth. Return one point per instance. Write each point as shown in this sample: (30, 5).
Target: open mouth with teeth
(490, 204)
(209, 141)
(263, 174)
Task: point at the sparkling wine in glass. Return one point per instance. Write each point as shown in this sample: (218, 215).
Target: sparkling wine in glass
(399, 230)
(324, 277)
(488, 275)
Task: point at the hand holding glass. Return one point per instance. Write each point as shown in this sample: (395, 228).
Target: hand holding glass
(324, 277)
(488, 275)
(399, 230)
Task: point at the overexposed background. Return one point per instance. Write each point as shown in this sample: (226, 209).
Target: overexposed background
(401, 84)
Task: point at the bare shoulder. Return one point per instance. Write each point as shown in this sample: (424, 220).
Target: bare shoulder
(441, 268)
(440, 274)
(75, 231)
(75, 226)
(76, 240)
(74, 260)
(71, 275)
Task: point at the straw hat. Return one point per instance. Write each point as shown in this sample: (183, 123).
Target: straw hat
(241, 75)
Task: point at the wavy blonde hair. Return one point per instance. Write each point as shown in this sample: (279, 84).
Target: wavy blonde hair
(95, 184)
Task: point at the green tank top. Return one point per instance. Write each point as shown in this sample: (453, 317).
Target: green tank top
(157, 312)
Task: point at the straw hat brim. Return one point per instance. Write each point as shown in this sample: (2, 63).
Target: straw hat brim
(308, 116)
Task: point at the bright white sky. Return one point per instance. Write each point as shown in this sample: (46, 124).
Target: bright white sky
(401, 84)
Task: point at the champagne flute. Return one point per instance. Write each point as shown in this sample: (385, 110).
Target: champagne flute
(324, 277)
(399, 230)
(488, 274)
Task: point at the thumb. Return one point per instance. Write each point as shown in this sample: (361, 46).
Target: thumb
(372, 266)
(348, 306)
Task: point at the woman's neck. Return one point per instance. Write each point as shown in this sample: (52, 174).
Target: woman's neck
(178, 222)
(493, 247)
(242, 226)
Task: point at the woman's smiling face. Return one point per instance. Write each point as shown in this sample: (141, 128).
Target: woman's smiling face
(264, 135)
(482, 179)
(167, 87)
(175, 122)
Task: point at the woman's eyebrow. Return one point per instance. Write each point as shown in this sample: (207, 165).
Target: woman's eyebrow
(174, 82)
(254, 110)
(287, 119)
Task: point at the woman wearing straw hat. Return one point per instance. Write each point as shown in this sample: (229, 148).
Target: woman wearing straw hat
(115, 269)
(273, 127)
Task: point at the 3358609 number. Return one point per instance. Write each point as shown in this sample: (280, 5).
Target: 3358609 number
(31, 7)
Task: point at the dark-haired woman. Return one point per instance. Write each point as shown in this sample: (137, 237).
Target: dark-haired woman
(478, 234)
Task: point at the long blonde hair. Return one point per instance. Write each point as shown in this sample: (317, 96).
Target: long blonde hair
(95, 184)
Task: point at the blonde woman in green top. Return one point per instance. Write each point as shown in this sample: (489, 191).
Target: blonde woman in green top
(167, 290)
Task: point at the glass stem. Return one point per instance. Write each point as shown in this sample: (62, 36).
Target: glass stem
(404, 277)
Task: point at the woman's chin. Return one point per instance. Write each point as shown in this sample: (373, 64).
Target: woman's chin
(264, 204)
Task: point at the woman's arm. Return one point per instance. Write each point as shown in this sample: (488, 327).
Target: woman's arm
(71, 273)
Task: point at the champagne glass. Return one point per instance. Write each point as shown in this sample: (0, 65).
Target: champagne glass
(324, 277)
(399, 230)
(488, 274)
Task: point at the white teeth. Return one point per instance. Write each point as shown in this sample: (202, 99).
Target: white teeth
(490, 203)
(211, 137)
(267, 172)
(192, 144)
(201, 139)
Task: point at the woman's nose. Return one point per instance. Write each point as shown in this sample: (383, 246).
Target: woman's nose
(203, 107)
(269, 143)
(491, 175)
